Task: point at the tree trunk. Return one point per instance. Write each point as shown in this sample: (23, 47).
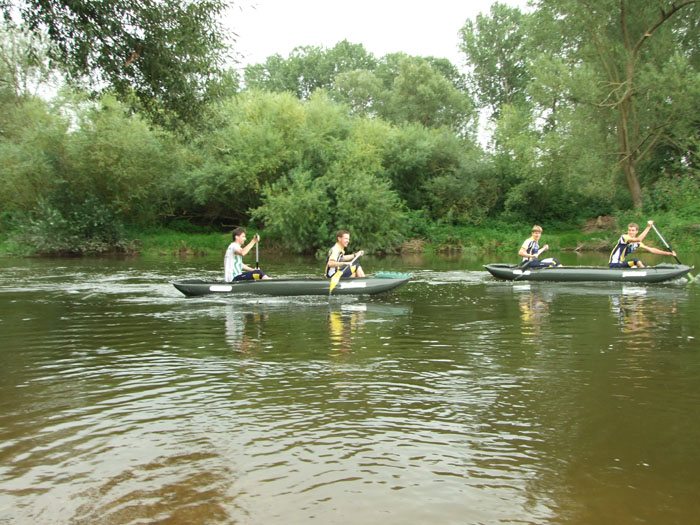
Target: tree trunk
(628, 154)
(629, 169)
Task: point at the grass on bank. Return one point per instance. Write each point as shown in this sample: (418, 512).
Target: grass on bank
(491, 238)
(163, 241)
(599, 235)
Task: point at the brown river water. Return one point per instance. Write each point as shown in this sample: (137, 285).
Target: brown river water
(455, 399)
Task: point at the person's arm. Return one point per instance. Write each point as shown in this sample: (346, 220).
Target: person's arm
(523, 253)
(244, 251)
(247, 268)
(542, 250)
(643, 234)
(523, 250)
(657, 251)
(351, 256)
(344, 259)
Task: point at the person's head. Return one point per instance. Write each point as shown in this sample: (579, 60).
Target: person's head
(239, 235)
(343, 237)
(536, 231)
(632, 229)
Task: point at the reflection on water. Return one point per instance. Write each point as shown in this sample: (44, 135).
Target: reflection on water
(342, 323)
(244, 329)
(629, 309)
(637, 314)
(533, 313)
(458, 399)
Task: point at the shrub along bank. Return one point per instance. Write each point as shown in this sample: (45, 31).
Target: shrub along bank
(493, 238)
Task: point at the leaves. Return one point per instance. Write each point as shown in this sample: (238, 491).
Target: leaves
(166, 54)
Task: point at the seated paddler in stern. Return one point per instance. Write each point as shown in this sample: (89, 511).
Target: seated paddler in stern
(628, 243)
(338, 261)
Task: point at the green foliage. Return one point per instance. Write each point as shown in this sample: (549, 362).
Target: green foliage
(167, 241)
(166, 54)
(639, 79)
(308, 68)
(675, 194)
(119, 160)
(297, 210)
(336, 138)
(24, 65)
(304, 211)
(106, 169)
(31, 153)
(254, 140)
(464, 197)
(66, 226)
(415, 155)
(398, 88)
(421, 94)
(496, 47)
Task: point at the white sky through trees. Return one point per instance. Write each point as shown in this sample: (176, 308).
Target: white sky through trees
(420, 28)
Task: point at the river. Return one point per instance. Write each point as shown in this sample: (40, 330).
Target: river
(455, 399)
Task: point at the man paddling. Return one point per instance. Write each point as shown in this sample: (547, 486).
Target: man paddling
(337, 258)
(628, 243)
(234, 269)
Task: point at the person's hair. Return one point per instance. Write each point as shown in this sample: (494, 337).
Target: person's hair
(237, 232)
(633, 225)
(341, 233)
(536, 228)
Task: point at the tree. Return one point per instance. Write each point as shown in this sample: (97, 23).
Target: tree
(422, 94)
(252, 141)
(496, 49)
(24, 63)
(625, 49)
(308, 68)
(165, 53)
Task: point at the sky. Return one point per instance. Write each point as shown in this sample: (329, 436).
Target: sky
(421, 28)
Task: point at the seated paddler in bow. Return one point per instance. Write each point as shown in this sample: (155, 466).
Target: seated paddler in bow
(530, 251)
(234, 269)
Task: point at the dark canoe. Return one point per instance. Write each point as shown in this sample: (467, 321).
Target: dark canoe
(651, 274)
(356, 286)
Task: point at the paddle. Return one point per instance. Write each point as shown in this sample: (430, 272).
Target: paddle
(668, 247)
(339, 273)
(523, 267)
(257, 260)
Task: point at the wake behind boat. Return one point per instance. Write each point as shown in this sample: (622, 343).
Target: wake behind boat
(650, 274)
(280, 287)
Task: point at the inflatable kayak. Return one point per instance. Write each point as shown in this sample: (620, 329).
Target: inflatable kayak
(651, 274)
(356, 286)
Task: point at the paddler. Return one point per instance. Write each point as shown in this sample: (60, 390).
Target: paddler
(530, 251)
(234, 269)
(628, 243)
(337, 258)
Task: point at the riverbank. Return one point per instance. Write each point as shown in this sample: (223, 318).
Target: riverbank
(595, 235)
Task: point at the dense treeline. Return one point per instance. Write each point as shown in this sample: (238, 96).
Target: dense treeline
(592, 108)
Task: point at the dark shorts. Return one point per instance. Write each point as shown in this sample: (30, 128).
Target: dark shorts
(629, 263)
(544, 263)
(350, 271)
(253, 275)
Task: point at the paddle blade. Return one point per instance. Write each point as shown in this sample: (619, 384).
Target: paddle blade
(336, 277)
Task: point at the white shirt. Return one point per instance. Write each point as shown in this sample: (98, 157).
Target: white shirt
(233, 263)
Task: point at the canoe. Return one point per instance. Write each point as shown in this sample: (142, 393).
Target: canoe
(355, 286)
(651, 274)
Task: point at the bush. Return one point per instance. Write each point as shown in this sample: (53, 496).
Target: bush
(674, 193)
(87, 227)
(304, 213)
